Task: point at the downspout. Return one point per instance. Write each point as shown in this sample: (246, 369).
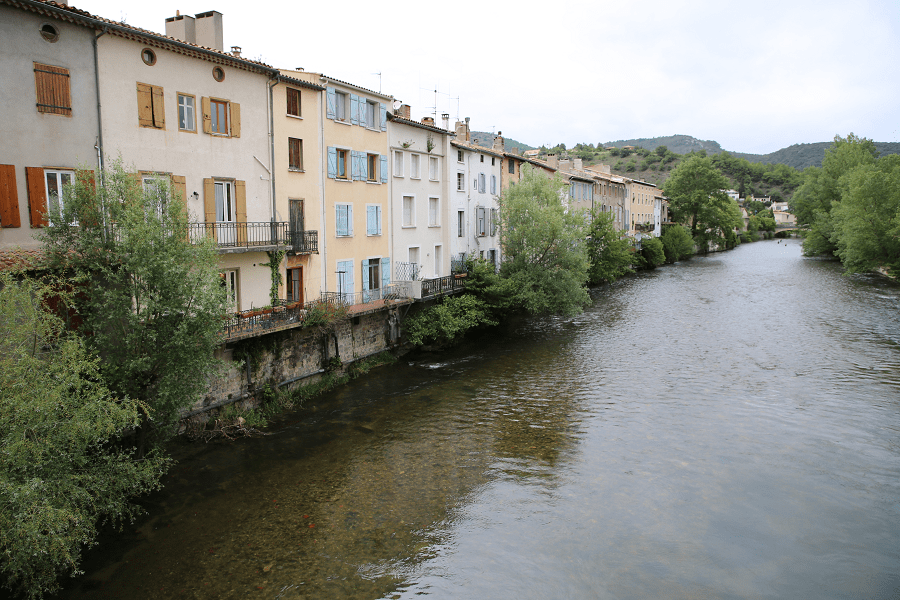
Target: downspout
(323, 175)
(271, 108)
(99, 144)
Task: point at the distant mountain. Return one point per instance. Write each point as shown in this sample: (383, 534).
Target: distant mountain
(679, 144)
(486, 139)
(801, 156)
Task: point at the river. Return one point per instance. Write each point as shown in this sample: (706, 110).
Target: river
(725, 427)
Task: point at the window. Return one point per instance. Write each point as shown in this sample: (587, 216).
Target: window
(293, 102)
(55, 181)
(345, 279)
(492, 257)
(414, 258)
(433, 168)
(295, 154)
(409, 211)
(53, 91)
(459, 156)
(294, 291)
(371, 109)
(229, 281)
(480, 224)
(371, 277)
(221, 117)
(148, 56)
(340, 106)
(481, 157)
(461, 182)
(187, 119)
(373, 220)
(151, 184)
(481, 183)
(493, 184)
(218, 74)
(414, 166)
(398, 163)
(438, 259)
(343, 220)
(460, 223)
(434, 207)
(341, 164)
(372, 167)
(49, 32)
(512, 166)
(493, 158)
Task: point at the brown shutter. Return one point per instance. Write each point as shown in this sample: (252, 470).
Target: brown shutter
(209, 205)
(37, 196)
(9, 197)
(240, 205)
(207, 114)
(235, 119)
(52, 89)
(145, 105)
(159, 110)
(179, 191)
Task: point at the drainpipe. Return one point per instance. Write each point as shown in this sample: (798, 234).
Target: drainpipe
(271, 108)
(99, 144)
(323, 175)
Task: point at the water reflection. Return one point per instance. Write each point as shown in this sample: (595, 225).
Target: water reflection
(723, 427)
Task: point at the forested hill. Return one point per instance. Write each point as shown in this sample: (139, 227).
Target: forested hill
(801, 156)
(679, 144)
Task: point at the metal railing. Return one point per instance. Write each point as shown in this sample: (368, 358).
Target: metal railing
(394, 291)
(304, 242)
(242, 235)
(259, 320)
(442, 285)
(406, 271)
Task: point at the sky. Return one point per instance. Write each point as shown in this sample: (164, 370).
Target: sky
(754, 76)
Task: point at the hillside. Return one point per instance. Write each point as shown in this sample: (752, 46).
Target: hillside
(486, 139)
(679, 144)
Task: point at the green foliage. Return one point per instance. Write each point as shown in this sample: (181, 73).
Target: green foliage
(151, 301)
(652, 253)
(677, 243)
(608, 251)
(543, 242)
(696, 197)
(763, 221)
(274, 264)
(448, 321)
(61, 471)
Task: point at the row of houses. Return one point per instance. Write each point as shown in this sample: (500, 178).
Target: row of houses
(358, 194)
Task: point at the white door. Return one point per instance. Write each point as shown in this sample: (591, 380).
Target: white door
(226, 228)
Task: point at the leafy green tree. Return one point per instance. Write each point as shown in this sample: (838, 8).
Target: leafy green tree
(543, 245)
(762, 221)
(677, 243)
(661, 151)
(652, 253)
(609, 251)
(150, 298)
(697, 198)
(449, 320)
(61, 471)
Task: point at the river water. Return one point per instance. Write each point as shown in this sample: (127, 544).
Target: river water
(726, 427)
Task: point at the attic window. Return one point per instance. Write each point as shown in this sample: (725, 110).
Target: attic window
(218, 74)
(148, 56)
(49, 32)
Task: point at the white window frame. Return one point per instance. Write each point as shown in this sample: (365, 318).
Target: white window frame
(415, 168)
(460, 223)
(231, 280)
(460, 182)
(376, 115)
(398, 163)
(434, 168)
(434, 211)
(58, 174)
(460, 157)
(187, 112)
(408, 217)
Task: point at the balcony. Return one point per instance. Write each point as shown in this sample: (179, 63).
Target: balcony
(255, 237)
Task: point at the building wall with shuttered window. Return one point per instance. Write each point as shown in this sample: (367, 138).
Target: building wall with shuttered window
(60, 134)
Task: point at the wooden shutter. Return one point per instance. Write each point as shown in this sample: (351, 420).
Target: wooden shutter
(52, 90)
(330, 103)
(179, 187)
(384, 168)
(383, 110)
(37, 196)
(235, 119)
(206, 110)
(9, 197)
(385, 271)
(240, 206)
(332, 162)
(145, 105)
(159, 110)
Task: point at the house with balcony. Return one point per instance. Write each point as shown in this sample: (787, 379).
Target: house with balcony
(420, 216)
(475, 207)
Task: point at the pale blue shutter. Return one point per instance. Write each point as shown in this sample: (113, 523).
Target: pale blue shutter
(332, 162)
(354, 109)
(384, 168)
(371, 228)
(383, 117)
(365, 280)
(330, 102)
(349, 219)
(378, 219)
(340, 219)
(385, 271)
(493, 184)
(345, 279)
(354, 165)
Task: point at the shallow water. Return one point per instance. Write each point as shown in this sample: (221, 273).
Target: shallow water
(726, 427)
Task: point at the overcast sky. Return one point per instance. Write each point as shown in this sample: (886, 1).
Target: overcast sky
(753, 76)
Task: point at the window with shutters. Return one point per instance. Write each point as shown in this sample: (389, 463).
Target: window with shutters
(373, 270)
(434, 212)
(343, 220)
(56, 193)
(481, 183)
(340, 106)
(493, 184)
(293, 102)
(151, 106)
(371, 110)
(372, 163)
(409, 211)
(461, 182)
(295, 154)
(230, 281)
(341, 171)
(294, 285)
(414, 166)
(373, 219)
(219, 116)
(480, 222)
(433, 168)
(155, 187)
(398, 163)
(187, 117)
(53, 90)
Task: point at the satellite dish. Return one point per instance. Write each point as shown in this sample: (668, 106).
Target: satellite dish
(397, 104)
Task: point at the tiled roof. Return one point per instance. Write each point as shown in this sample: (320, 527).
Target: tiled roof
(152, 38)
(17, 258)
(299, 82)
(528, 159)
(475, 148)
(418, 124)
(353, 85)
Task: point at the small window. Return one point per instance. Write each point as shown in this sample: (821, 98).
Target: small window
(293, 102)
(398, 163)
(218, 74)
(433, 168)
(434, 206)
(55, 182)
(372, 161)
(460, 223)
(371, 110)
(512, 166)
(219, 116)
(493, 158)
(461, 182)
(414, 166)
(148, 56)
(49, 32)
(343, 220)
(459, 156)
(295, 154)
(482, 158)
(341, 164)
(187, 119)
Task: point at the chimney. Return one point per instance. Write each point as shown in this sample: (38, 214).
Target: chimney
(498, 142)
(468, 131)
(209, 30)
(428, 121)
(553, 161)
(565, 165)
(403, 112)
(462, 130)
(182, 27)
(445, 121)
(579, 164)
(236, 51)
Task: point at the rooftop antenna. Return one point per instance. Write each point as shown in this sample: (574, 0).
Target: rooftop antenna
(379, 81)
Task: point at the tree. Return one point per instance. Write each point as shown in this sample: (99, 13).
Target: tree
(677, 243)
(150, 297)
(652, 253)
(661, 151)
(609, 251)
(61, 469)
(449, 320)
(697, 198)
(543, 244)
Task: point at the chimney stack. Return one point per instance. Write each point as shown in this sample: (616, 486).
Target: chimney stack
(236, 51)
(182, 27)
(428, 121)
(462, 130)
(404, 111)
(209, 30)
(579, 164)
(553, 161)
(445, 121)
(515, 151)
(498, 142)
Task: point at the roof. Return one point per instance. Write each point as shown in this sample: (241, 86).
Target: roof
(151, 38)
(16, 259)
(527, 159)
(476, 148)
(299, 83)
(354, 86)
(411, 123)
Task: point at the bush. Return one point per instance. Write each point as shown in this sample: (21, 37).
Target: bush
(448, 321)
(677, 243)
(652, 253)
